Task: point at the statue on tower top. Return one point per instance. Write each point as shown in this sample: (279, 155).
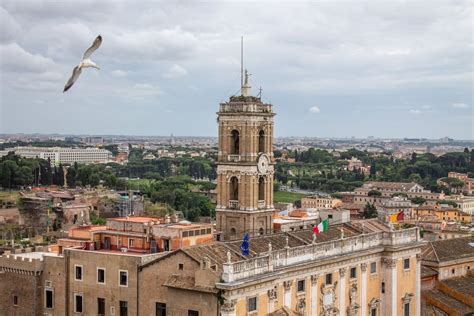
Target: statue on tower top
(246, 87)
(246, 82)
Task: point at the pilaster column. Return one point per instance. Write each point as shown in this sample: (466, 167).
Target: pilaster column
(342, 289)
(228, 308)
(287, 295)
(418, 285)
(363, 288)
(390, 305)
(314, 294)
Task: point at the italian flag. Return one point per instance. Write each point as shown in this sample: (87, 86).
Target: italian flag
(322, 227)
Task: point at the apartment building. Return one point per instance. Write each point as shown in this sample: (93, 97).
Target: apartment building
(319, 201)
(442, 212)
(63, 155)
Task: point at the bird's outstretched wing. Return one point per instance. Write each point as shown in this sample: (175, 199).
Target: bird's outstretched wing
(95, 45)
(75, 74)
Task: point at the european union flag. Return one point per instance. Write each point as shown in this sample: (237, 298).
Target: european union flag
(245, 245)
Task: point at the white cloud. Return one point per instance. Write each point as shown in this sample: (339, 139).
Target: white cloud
(175, 71)
(143, 89)
(459, 105)
(119, 73)
(414, 111)
(314, 109)
(15, 58)
(336, 52)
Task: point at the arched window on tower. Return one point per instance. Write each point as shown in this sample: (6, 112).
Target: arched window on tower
(261, 141)
(234, 142)
(234, 189)
(261, 188)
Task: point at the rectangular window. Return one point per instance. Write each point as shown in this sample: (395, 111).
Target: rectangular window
(406, 309)
(101, 275)
(185, 234)
(329, 278)
(406, 263)
(160, 309)
(181, 266)
(48, 298)
(123, 278)
(15, 300)
(301, 286)
(192, 313)
(373, 267)
(252, 304)
(131, 242)
(123, 308)
(373, 312)
(353, 273)
(101, 306)
(78, 302)
(78, 273)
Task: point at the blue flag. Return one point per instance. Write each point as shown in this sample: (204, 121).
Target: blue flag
(245, 245)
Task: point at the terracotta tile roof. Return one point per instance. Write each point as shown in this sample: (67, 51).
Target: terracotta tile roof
(441, 299)
(448, 249)
(298, 213)
(260, 244)
(334, 232)
(403, 186)
(216, 252)
(463, 285)
(135, 219)
(427, 272)
(186, 283)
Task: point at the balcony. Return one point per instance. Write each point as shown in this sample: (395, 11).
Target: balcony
(277, 259)
(233, 158)
(234, 204)
(261, 204)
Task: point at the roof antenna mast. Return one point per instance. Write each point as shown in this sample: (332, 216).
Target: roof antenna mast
(241, 63)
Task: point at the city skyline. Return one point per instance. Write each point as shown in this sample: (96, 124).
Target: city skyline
(385, 70)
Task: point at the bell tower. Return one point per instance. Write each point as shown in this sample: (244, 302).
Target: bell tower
(245, 166)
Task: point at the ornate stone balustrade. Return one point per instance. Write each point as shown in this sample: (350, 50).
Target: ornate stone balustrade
(233, 158)
(252, 106)
(234, 271)
(234, 204)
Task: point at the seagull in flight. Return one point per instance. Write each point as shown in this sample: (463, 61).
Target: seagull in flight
(85, 62)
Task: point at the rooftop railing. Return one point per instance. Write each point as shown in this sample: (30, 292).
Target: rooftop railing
(233, 271)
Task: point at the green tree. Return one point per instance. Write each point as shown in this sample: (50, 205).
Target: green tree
(418, 200)
(71, 177)
(8, 170)
(24, 176)
(375, 193)
(370, 211)
(94, 180)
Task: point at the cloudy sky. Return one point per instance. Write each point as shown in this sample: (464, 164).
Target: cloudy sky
(330, 68)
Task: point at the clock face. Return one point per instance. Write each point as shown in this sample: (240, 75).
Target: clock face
(262, 164)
